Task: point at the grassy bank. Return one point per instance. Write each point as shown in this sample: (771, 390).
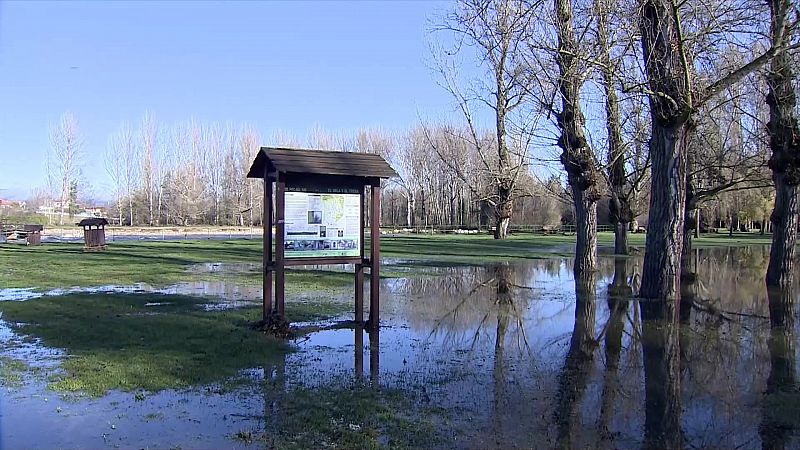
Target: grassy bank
(148, 342)
(152, 342)
(160, 263)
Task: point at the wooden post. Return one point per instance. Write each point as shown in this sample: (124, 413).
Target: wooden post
(374, 356)
(266, 222)
(360, 266)
(280, 227)
(359, 342)
(375, 256)
(359, 293)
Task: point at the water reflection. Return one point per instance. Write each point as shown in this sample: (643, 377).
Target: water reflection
(619, 294)
(574, 377)
(776, 426)
(660, 354)
(667, 375)
(520, 355)
(374, 354)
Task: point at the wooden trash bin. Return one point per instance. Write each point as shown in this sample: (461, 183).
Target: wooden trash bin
(33, 234)
(94, 234)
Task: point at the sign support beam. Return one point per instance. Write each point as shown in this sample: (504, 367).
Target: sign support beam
(375, 257)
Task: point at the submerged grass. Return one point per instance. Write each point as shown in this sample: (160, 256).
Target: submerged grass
(350, 417)
(117, 342)
(12, 371)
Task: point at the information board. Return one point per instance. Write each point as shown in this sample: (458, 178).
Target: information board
(322, 225)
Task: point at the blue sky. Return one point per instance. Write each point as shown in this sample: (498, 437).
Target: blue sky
(286, 66)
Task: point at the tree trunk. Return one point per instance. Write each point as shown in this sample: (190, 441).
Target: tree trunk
(784, 133)
(130, 208)
(621, 238)
(665, 230)
(669, 75)
(503, 210)
(586, 233)
(697, 220)
(621, 216)
(620, 212)
(411, 205)
(780, 270)
(687, 268)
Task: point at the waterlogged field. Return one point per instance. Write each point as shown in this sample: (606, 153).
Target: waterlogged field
(482, 345)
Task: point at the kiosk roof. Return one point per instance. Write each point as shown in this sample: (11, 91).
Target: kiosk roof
(320, 162)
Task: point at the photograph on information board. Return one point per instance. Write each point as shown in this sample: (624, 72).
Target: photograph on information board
(322, 225)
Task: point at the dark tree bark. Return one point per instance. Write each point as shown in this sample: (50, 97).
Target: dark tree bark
(575, 375)
(661, 354)
(620, 212)
(784, 134)
(671, 106)
(576, 155)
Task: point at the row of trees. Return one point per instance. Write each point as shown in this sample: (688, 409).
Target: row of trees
(193, 173)
(682, 88)
(651, 107)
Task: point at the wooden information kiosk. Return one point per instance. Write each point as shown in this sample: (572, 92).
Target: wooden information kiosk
(319, 218)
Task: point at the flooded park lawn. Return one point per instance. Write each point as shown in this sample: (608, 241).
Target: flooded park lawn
(511, 354)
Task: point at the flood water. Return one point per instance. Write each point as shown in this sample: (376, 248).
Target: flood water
(514, 355)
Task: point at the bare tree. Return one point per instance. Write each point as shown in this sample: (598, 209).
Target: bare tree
(148, 136)
(64, 158)
(576, 156)
(625, 172)
(672, 86)
(405, 159)
(248, 142)
(129, 158)
(784, 133)
(496, 29)
(115, 168)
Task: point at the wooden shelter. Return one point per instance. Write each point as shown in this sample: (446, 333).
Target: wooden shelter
(33, 234)
(94, 234)
(319, 218)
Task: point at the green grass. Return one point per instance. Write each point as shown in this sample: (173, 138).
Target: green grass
(349, 417)
(116, 342)
(483, 248)
(12, 371)
(161, 263)
(157, 263)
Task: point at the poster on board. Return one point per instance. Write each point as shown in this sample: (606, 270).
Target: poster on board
(321, 225)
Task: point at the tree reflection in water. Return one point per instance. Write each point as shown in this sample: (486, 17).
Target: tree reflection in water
(619, 293)
(660, 353)
(782, 391)
(578, 363)
(500, 343)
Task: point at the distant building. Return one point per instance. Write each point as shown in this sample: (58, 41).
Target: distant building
(96, 211)
(54, 208)
(11, 204)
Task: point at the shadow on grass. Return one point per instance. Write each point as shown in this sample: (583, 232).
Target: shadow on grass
(147, 342)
